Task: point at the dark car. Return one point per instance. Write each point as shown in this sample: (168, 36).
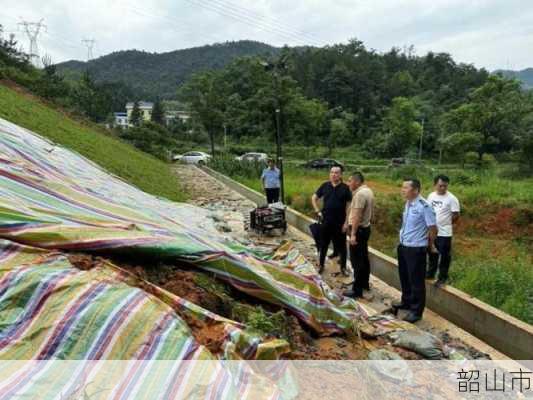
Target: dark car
(401, 161)
(323, 163)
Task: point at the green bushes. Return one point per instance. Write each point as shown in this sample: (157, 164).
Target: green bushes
(229, 166)
(502, 282)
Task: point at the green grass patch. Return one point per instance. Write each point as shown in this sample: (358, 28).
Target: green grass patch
(119, 158)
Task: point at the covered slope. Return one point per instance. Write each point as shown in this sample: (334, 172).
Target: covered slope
(89, 140)
(57, 200)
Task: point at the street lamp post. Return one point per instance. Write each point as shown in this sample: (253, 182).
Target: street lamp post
(274, 68)
(279, 154)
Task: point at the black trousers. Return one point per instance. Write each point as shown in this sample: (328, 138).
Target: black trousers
(332, 231)
(272, 195)
(412, 269)
(442, 260)
(360, 261)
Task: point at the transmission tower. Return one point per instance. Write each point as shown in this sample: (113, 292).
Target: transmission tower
(32, 30)
(89, 43)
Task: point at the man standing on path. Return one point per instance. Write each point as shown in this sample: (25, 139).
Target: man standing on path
(361, 211)
(336, 197)
(418, 232)
(270, 179)
(447, 209)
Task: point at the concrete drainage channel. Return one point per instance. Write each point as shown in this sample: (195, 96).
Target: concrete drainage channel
(505, 333)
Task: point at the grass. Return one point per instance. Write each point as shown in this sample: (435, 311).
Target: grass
(493, 254)
(89, 140)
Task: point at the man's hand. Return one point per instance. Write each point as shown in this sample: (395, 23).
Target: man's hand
(433, 249)
(353, 240)
(345, 228)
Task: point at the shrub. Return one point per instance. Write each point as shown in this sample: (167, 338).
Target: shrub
(464, 178)
(471, 157)
(523, 216)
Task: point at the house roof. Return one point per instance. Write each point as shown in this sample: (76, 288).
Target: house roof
(142, 104)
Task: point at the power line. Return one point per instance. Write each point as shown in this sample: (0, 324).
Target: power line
(267, 21)
(32, 30)
(252, 21)
(169, 19)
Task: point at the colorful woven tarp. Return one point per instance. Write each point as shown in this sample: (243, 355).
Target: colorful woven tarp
(55, 199)
(50, 310)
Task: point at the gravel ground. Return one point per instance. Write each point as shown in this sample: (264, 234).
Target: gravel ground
(206, 191)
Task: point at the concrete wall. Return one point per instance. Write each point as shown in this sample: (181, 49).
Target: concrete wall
(505, 333)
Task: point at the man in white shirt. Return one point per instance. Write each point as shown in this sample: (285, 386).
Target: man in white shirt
(447, 209)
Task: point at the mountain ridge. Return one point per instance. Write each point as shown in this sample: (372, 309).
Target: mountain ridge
(153, 75)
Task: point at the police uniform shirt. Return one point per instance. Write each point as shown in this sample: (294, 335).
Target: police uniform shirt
(418, 216)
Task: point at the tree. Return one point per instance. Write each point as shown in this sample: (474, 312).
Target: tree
(460, 143)
(204, 93)
(158, 113)
(525, 142)
(494, 111)
(136, 117)
(400, 126)
(339, 133)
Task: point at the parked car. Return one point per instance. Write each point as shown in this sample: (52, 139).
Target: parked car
(400, 161)
(253, 157)
(193, 157)
(323, 163)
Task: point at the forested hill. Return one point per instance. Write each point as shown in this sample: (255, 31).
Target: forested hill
(152, 75)
(525, 75)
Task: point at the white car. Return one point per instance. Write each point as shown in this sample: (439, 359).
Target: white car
(251, 157)
(193, 157)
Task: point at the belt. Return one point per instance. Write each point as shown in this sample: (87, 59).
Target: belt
(413, 247)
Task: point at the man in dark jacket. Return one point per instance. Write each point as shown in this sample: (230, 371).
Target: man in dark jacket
(336, 198)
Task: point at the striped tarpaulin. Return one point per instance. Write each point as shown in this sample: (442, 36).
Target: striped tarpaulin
(54, 199)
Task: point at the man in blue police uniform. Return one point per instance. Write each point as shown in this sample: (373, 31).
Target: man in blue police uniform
(270, 178)
(417, 235)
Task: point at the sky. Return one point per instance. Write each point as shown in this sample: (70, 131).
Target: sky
(487, 33)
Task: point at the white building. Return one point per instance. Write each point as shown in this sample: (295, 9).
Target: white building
(145, 107)
(121, 120)
(172, 113)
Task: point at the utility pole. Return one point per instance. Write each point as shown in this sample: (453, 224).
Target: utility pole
(421, 138)
(89, 43)
(32, 30)
(225, 136)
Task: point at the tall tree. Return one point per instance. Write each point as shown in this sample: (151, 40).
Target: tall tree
(494, 111)
(400, 126)
(204, 93)
(136, 117)
(158, 113)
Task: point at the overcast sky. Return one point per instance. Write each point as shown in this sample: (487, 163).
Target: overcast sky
(488, 33)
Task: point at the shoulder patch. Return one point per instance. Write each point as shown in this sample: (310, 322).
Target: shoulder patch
(424, 202)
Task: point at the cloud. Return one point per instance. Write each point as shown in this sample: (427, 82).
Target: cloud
(487, 33)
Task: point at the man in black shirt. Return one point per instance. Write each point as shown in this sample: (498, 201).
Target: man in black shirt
(336, 198)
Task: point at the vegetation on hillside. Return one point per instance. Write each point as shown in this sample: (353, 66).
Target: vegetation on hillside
(385, 104)
(119, 158)
(152, 75)
(83, 96)
(525, 76)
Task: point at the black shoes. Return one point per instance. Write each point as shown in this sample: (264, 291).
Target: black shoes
(412, 318)
(440, 283)
(353, 294)
(396, 306)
